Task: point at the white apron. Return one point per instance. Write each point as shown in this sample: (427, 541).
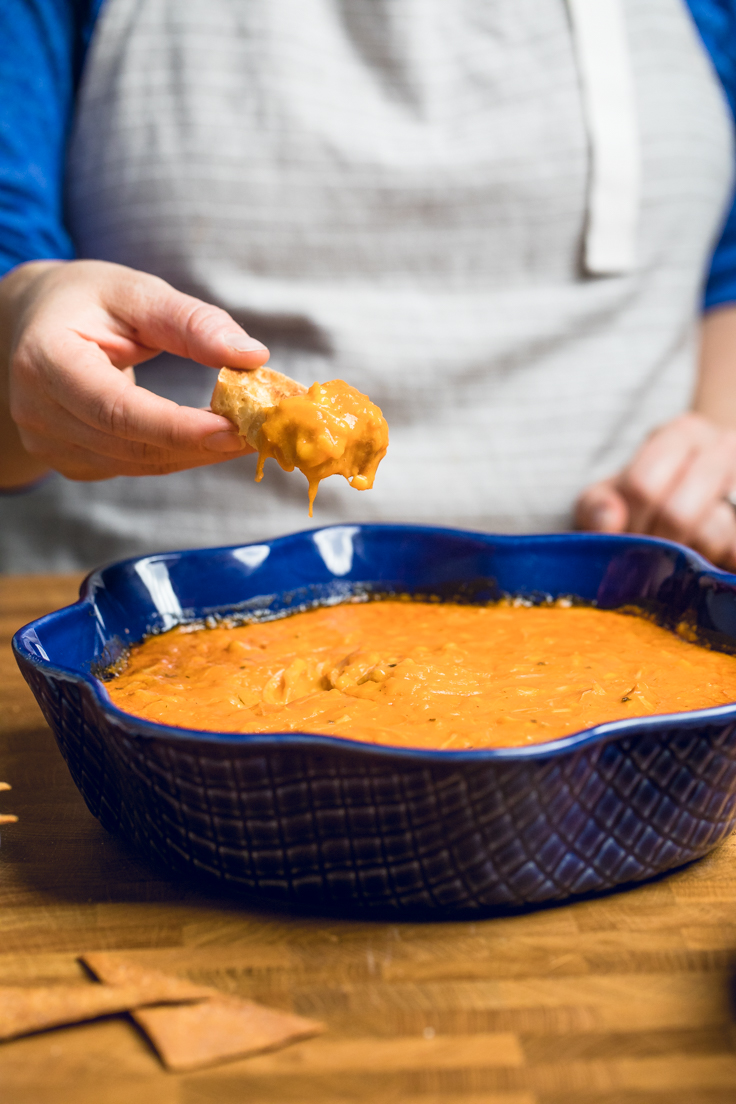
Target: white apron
(421, 198)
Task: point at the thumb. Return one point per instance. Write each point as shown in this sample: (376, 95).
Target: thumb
(158, 316)
(602, 509)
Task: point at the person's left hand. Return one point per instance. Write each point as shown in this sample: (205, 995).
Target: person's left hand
(675, 487)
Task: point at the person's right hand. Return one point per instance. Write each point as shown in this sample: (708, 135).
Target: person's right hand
(78, 330)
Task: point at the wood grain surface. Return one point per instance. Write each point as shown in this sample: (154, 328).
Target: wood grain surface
(627, 999)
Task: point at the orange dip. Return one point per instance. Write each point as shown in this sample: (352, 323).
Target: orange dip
(422, 674)
(332, 429)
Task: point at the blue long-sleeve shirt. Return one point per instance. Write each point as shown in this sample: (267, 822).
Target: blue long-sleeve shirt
(42, 49)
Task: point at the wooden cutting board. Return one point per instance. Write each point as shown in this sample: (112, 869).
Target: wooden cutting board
(623, 1000)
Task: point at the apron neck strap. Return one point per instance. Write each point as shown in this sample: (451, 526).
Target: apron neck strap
(609, 105)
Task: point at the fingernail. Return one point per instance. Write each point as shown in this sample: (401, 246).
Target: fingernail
(242, 343)
(224, 441)
(600, 517)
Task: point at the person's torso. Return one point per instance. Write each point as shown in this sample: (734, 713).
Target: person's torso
(396, 193)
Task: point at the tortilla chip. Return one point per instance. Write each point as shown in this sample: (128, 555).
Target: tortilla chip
(114, 970)
(217, 1029)
(191, 1036)
(24, 1010)
(7, 818)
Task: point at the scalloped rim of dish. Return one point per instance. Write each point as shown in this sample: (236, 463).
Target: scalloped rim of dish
(584, 738)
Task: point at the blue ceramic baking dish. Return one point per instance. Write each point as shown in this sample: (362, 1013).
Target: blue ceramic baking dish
(325, 822)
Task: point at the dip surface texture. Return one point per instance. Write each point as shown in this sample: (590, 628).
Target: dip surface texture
(332, 429)
(422, 674)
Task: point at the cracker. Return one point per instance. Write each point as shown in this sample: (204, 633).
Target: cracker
(24, 1010)
(246, 397)
(193, 1036)
(112, 969)
(7, 818)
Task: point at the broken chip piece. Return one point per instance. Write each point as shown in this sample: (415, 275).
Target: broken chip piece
(217, 1029)
(191, 1036)
(7, 818)
(26, 1009)
(114, 970)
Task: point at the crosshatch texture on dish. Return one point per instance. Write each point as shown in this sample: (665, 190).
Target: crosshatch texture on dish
(321, 822)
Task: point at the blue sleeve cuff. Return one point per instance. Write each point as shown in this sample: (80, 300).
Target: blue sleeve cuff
(721, 285)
